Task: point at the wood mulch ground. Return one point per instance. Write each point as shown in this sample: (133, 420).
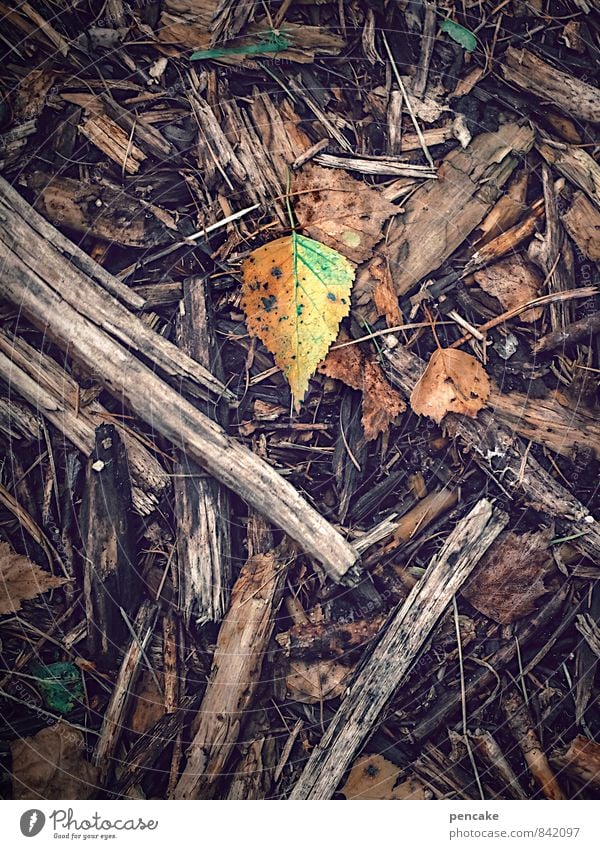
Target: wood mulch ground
(206, 592)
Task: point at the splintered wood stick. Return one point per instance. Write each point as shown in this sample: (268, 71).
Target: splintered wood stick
(241, 646)
(114, 718)
(201, 503)
(486, 747)
(383, 669)
(96, 330)
(576, 165)
(500, 452)
(82, 284)
(521, 725)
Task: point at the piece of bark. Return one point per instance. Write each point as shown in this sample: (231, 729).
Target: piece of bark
(201, 503)
(485, 747)
(507, 241)
(67, 306)
(581, 760)
(114, 721)
(586, 661)
(54, 394)
(419, 517)
(590, 631)
(147, 749)
(18, 421)
(108, 137)
(554, 256)
(582, 222)
(96, 210)
(498, 452)
(253, 776)
(419, 83)
(13, 141)
(441, 214)
(241, 646)
(383, 669)
(107, 546)
(571, 95)
(350, 452)
(546, 421)
(520, 723)
(507, 210)
(576, 165)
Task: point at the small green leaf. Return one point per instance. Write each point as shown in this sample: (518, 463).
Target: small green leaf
(462, 36)
(270, 42)
(59, 684)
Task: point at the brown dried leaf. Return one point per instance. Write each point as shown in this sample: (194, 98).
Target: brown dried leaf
(334, 208)
(381, 403)
(374, 777)
(515, 282)
(384, 296)
(20, 579)
(508, 582)
(453, 382)
(311, 682)
(51, 765)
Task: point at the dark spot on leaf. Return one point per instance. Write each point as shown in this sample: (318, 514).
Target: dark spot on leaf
(299, 308)
(276, 273)
(343, 300)
(331, 296)
(265, 286)
(269, 303)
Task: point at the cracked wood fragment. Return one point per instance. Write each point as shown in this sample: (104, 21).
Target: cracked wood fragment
(441, 214)
(241, 646)
(572, 96)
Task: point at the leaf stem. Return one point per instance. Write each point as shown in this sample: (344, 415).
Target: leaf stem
(287, 202)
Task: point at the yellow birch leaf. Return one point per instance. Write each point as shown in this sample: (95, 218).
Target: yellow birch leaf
(453, 382)
(295, 293)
